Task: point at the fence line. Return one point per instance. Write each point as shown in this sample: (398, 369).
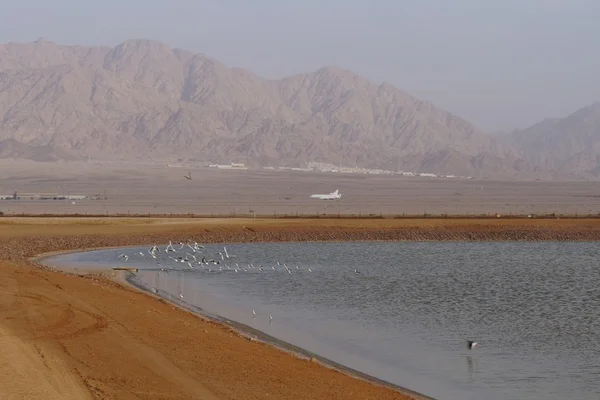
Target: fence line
(296, 215)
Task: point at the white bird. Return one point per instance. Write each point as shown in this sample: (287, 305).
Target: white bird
(270, 318)
(471, 345)
(253, 313)
(124, 256)
(227, 254)
(181, 295)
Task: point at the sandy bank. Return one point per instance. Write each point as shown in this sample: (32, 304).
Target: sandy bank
(49, 234)
(64, 336)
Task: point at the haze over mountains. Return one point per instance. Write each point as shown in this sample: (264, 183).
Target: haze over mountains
(143, 99)
(564, 144)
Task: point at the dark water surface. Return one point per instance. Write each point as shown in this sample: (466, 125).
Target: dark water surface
(405, 317)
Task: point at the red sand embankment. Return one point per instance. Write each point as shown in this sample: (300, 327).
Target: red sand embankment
(69, 337)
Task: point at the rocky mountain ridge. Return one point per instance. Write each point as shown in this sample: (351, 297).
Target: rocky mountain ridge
(143, 99)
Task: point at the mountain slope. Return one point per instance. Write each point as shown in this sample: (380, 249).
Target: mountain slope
(570, 146)
(143, 98)
(11, 148)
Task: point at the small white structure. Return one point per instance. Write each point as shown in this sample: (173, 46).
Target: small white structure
(330, 196)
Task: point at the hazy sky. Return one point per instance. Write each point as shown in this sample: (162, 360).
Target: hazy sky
(501, 64)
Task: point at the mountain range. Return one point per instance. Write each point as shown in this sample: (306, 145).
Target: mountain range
(143, 99)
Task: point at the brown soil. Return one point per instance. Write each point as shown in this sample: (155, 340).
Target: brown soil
(64, 336)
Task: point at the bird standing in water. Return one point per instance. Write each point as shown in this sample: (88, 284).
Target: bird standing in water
(471, 345)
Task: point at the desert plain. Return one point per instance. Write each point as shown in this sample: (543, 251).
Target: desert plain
(80, 336)
(156, 189)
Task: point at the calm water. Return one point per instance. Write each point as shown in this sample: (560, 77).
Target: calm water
(405, 318)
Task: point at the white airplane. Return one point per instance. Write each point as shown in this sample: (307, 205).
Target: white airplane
(330, 196)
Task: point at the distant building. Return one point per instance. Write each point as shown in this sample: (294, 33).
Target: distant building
(43, 196)
(13, 196)
(229, 166)
(75, 197)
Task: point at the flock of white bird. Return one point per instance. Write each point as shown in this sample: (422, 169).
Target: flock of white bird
(195, 256)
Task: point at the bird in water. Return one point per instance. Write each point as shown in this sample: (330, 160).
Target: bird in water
(471, 345)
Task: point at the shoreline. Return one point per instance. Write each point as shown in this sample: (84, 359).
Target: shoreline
(253, 334)
(308, 216)
(57, 318)
(94, 232)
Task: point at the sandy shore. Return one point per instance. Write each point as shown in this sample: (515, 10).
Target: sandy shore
(68, 337)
